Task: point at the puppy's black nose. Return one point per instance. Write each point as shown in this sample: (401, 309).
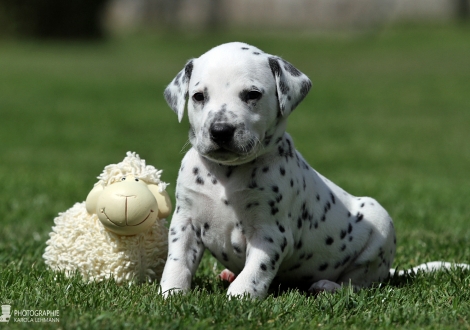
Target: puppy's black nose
(221, 133)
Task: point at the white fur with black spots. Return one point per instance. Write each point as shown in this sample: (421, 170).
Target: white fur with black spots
(245, 194)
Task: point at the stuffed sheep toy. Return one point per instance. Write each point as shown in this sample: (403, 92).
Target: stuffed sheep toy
(119, 231)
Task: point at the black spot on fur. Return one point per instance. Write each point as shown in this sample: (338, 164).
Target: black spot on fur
(329, 240)
(274, 65)
(269, 239)
(281, 228)
(237, 248)
(251, 204)
(265, 169)
(252, 184)
(253, 172)
(296, 266)
(284, 244)
(291, 69)
(305, 87)
(283, 87)
(333, 200)
(359, 217)
(188, 70)
(199, 180)
(282, 170)
(263, 267)
(323, 267)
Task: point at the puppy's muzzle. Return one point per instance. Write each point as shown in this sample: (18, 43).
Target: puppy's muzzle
(222, 133)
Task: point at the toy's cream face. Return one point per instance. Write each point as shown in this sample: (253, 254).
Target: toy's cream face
(129, 206)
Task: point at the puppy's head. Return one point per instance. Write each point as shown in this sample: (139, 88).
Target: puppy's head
(238, 99)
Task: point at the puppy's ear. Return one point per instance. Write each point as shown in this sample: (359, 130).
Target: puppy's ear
(176, 93)
(292, 85)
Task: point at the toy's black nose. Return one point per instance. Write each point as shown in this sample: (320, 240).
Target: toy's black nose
(221, 133)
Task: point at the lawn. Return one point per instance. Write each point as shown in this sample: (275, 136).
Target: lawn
(388, 117)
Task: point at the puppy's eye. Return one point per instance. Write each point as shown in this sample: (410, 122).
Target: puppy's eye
(198, 97)
(253, 95)
(123, 178)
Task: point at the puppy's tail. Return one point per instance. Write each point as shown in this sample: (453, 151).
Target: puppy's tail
(429, 267)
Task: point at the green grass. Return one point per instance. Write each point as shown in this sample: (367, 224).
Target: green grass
(388, 117)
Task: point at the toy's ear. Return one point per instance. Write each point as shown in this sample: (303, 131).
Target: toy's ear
(176, 92)
(292, 85)
(92, 199)
(163, 200)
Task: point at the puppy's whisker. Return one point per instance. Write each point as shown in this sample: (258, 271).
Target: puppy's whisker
(185, 147)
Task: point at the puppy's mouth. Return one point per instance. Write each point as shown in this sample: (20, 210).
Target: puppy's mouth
(228, 155)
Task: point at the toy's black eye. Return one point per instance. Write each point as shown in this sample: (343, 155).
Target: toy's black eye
(253, 96)
(198, 97)
(123, 178)
(136, 179)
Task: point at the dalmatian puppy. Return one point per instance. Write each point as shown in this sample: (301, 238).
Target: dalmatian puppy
(245, 194)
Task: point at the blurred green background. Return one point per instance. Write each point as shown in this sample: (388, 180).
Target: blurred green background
(388, 115)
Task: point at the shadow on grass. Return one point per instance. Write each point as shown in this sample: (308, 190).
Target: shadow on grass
(410, 279)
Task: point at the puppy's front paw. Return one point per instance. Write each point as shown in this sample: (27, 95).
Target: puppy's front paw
(239, 289)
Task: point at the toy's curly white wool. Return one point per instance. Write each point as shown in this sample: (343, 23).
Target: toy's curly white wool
(132, 164)
(80, 242)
